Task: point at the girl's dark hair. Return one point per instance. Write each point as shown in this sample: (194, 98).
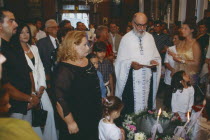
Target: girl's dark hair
(99, 47)
(91, 55)
(176, 81)
(2, 92)
(192, 26)
(110, 104)
(16, 38)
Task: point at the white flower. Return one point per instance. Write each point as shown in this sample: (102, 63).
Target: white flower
(140, 136)
(165, 114)
(167, 138)
(130, 135)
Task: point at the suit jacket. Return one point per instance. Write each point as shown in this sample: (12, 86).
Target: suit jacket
(46, 49)
(117, 41)
(37, 68)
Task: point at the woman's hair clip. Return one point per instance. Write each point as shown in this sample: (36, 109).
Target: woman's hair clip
(107, 101)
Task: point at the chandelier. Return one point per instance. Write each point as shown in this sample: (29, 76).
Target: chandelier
(116, 1)
(94, 1)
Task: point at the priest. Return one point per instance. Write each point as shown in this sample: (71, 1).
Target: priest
(138, 68)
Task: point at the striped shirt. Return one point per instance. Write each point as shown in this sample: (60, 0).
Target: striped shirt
(106, 68)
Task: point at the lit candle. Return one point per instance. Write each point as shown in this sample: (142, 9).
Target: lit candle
(197, 116)
(188, 120)
(159, 112)
(157, 126)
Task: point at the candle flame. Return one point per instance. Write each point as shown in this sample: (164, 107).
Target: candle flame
(188, 116)
(204, 102)
(159, 112)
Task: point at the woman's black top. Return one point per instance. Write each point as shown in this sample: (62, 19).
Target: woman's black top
(77, 90)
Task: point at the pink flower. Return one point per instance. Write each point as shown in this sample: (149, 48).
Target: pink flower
(149, 139)
(132, 127)
(150, 112)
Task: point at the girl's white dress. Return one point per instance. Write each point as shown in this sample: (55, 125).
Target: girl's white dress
(182, 102)
(108, 131)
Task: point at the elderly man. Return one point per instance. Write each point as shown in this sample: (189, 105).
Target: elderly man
(48, 48)
(114, 37)
(137, 56)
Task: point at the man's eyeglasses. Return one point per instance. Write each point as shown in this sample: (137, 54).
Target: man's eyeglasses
(140, 25)
(54, 27)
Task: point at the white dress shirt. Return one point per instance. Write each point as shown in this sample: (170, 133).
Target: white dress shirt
(171, 62)
(41, 34)
(113, 41)
(53, 41)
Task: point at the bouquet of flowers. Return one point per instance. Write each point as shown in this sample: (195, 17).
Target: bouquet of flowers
(138, 126)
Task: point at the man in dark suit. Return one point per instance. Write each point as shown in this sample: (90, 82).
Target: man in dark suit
(48, 48)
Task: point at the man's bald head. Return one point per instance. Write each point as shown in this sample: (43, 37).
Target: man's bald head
(139, 23)
(140, 17)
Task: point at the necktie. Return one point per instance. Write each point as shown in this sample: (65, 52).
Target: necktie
(57, 43)
(54, 56)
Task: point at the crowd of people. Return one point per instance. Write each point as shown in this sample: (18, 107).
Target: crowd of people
(88, 79)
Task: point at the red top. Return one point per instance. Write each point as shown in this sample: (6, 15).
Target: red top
(109, 50)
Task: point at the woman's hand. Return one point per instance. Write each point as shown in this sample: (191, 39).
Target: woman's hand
(72, 127)
(34, 100)
(41, 91)
(69, 120)
(177, 58)
(171, 53)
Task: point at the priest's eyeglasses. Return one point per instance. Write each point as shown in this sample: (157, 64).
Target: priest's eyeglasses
(140, 25)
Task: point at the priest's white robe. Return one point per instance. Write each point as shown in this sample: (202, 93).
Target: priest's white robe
(129, 51)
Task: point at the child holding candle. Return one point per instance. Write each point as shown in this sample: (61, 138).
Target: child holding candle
(182, 95)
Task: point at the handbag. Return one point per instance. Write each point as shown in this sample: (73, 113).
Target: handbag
(39, 116)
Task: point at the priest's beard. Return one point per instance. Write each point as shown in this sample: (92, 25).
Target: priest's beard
(138, 32)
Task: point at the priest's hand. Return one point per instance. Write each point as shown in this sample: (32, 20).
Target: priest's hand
(153, 62)
(136, 65)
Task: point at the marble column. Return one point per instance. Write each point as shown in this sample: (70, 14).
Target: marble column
(182, 10)
(141, 5)
(156, 9)
(202, 5)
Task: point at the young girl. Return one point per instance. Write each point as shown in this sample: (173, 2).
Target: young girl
(112, 107)
(182, 95)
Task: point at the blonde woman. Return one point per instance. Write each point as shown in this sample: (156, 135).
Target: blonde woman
(77, 90)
